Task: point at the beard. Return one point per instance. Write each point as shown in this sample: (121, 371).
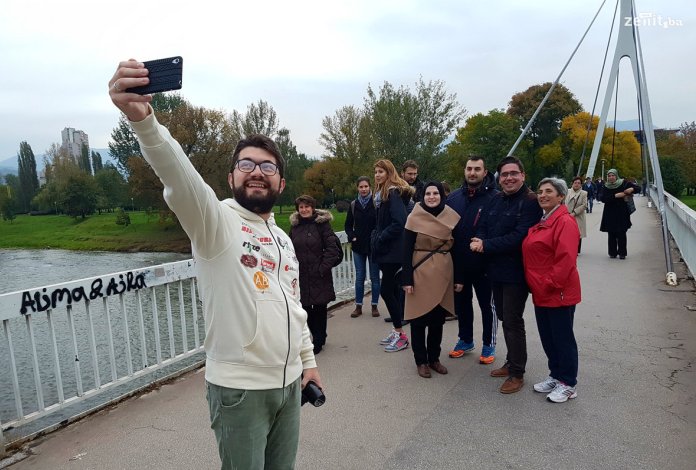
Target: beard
(255, 204)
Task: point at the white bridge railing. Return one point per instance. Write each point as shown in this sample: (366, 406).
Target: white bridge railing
(66, 343)
(681, 221)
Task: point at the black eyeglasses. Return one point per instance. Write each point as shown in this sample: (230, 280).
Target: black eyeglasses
(248, 166)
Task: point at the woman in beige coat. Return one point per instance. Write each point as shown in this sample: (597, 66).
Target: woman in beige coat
(576, 202)
(427, 276)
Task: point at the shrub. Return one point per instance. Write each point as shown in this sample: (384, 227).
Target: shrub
(342, 205)
(122, 218)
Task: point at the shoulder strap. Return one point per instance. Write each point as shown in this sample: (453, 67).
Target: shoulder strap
(429, 255)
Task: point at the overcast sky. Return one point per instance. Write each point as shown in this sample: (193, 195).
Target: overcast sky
(307, 58)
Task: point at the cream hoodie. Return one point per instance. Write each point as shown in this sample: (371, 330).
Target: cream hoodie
(256, 330)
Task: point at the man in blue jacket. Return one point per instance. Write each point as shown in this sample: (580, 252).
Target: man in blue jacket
(505, 225)
(469, 202)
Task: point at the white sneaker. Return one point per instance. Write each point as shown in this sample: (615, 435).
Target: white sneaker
(393, 336)
(561, 393)
(546, 386)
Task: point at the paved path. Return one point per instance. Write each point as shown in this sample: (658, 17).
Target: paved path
(635, 408)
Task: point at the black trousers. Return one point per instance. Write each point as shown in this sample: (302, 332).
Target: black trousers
(556, 333)
(391, 292)
(427, 346)
(617, 244)
(509, 305)
(464, 307)
(316, 321)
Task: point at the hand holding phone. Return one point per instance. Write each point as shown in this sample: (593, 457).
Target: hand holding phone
(164, 74)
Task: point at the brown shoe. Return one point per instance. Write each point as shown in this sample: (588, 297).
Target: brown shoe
(501, 372)
(438, 367)
(424, 371)
(512, 385)
(357, 312)
(375, 312)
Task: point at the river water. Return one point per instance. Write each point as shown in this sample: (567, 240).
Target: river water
(25, 269)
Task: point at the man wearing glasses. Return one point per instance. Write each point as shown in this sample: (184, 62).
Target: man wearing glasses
(258, 349)
(499, 237)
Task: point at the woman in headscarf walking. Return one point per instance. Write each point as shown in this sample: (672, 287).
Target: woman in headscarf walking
(616, 218)
(427, 276)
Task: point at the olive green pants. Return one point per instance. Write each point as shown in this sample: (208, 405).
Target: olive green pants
(255, 429)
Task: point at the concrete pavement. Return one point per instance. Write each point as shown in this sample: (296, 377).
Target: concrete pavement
(635, 406)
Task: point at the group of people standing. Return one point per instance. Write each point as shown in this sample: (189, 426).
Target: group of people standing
(434, 249)
(262, 329)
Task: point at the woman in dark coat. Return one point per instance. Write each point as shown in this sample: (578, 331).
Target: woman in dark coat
(616, 219)
(360, 222)
(392, 194)
(317, 252)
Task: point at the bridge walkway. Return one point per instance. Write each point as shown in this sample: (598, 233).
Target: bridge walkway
(636, 404)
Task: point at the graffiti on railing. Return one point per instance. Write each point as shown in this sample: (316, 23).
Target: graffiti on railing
(41, 300)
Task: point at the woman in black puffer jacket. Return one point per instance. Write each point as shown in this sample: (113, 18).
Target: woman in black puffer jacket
(392, 194)
(317, 252)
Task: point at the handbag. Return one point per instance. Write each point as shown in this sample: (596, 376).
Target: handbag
(630, 203)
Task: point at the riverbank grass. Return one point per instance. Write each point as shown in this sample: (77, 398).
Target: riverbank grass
(689, 201)
(100, 232)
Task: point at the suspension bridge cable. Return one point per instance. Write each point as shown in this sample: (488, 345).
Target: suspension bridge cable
(599, 83)
(616, 105)
(541, 105)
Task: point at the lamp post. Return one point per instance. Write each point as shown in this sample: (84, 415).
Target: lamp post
(55, 206)
(132, 205)
(603, 161)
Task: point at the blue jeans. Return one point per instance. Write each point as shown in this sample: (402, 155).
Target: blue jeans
(360, 262)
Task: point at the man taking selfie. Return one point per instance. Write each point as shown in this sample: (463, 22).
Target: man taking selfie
(258, 348)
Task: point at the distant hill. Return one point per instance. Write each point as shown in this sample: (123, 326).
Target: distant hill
(9, 165)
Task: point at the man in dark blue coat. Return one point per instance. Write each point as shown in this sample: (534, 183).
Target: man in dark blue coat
(469, 201)
(589, 187)
(504, 226)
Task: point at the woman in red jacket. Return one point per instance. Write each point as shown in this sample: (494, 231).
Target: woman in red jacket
(550, 253)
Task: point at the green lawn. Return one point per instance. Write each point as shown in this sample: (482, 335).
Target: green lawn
(100, 232)
(689, 201)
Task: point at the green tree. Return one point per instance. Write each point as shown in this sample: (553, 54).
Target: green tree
(412, 125)
(113, 188)
(8, 207)
(7, 203)
(672, 176)
(124, 143)
(79, 196)
(487, 135)
(84, 162)
(97, 163)
(547, 124)
(347, 136)
(260, 118)
(28, 179)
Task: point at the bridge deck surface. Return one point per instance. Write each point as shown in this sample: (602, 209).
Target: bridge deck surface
(635, 405)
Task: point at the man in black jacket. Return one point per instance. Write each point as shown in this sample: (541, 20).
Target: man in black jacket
(469, 202)
(409, 172)
(360, 221)
(505, 225)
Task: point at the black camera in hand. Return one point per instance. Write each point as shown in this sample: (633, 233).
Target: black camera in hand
(311, 393)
